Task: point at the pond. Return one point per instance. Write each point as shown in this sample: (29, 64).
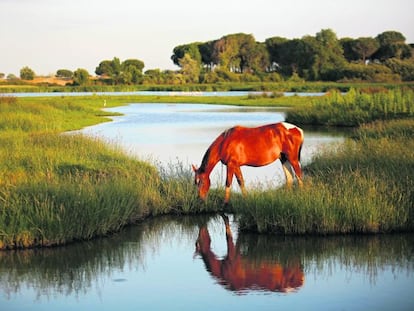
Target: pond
(172, 134)
(188, 263)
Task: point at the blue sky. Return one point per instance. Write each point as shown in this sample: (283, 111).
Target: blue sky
(48, 35)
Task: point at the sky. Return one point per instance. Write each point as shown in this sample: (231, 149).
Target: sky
(47, 35)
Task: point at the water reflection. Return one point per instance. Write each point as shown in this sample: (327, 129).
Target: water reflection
(238, 272)
(152, 266)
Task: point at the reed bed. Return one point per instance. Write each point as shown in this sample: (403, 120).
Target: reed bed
(355, 108)
(363, 186)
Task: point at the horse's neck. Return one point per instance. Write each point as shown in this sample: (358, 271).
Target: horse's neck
(211, 157)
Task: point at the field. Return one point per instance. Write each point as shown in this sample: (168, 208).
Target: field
(57, 188)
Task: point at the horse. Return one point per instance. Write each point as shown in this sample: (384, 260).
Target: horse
(258, 146)
(237, 272)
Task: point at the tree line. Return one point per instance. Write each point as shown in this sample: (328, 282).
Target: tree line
(312, 58)
(240, 58)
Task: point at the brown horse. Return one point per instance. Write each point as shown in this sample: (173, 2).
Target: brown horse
(257, 146)
(238, 273)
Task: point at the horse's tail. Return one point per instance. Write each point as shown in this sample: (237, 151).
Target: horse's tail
(299, 139)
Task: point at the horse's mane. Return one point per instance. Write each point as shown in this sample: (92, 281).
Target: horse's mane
(215, 144)
(204, 161)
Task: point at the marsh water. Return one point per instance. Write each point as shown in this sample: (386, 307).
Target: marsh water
(179, 134)
(168, 263)
(195, 262)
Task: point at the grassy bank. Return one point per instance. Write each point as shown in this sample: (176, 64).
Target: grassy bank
(57, 188)
(364, 186)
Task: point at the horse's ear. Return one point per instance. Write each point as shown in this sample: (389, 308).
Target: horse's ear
(194, 168)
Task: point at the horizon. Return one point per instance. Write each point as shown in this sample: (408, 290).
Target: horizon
(48, 35)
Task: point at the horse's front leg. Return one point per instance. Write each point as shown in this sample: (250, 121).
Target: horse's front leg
(240, 179)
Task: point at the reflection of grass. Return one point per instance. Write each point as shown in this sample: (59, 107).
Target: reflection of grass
(58, 188)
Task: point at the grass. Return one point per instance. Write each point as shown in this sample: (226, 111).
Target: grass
(363, 186)
(57, 188)
(355, 108)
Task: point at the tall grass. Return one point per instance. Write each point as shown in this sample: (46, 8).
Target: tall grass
(363, 186)
(354, 108)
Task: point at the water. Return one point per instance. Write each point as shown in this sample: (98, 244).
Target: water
(155, 266)
(171, 133)
(153, 93)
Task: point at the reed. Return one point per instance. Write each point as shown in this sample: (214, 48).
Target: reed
(363, 186)
(354, 108)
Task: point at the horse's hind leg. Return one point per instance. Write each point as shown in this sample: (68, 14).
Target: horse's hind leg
(288, 174)
(298, 171)
(287, 170)
(229, 180)
(240, 179)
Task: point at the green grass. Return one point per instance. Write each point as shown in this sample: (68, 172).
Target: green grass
(363, 186)
(355, 108)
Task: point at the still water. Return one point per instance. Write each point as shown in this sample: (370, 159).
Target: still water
(189, 263)
(181, 133)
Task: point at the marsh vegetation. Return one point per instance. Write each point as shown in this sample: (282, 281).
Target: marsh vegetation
(56, 188)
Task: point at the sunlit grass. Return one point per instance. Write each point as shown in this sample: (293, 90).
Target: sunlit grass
(364, 186)
(355, 108)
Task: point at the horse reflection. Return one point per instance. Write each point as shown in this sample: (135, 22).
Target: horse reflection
(238, 273)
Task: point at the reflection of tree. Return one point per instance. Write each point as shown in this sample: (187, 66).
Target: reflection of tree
(78, 268)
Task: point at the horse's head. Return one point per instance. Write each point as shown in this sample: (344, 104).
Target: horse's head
(202, 181)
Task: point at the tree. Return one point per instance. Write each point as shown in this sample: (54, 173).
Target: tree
(392, 44)
(11, 76)
(365, 47)
(64, 73)
(296, 56)
(329, 56)
(129, 71)
(80, 76)
(190, 69)
(190, 49)
(104, 68)
(274, 47)
(206, 51)
(237, 52)
(226, 51)
(347, 46)
(258, 59)
(136, 63)
(26, 73)
(153, 76)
